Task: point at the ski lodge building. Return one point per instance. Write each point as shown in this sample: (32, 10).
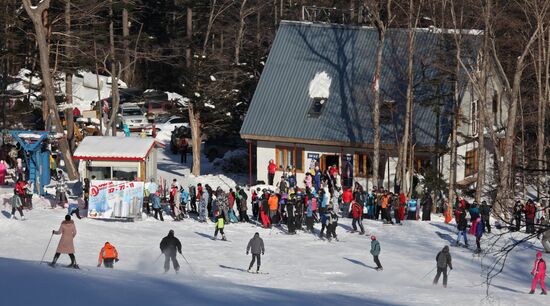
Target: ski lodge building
(313, 103)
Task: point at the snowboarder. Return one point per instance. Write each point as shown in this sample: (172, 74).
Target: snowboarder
(357, 214)
(220, 224)
(67, 230)
(485, 210)
(461, 224)
(16, 205)
(443, 260)
(108, 255)
(256, 245)
(375, 251)
(539, 272)
(169, 246)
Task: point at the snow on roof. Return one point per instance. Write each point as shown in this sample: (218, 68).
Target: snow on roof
(114, 148)
(319, 87)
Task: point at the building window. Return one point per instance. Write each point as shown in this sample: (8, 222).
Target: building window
(470, 164)
(363, 165)
(289, 157)
(100, 173)
(125, 173)
(474, 117)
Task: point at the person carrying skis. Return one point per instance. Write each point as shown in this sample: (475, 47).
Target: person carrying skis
(256, 245)
(357, 215)
(443, 260)
(169, 245)
(220, 224)
(67, 230)
(16, 205)
(375, 251)
(108, 255)
(539, 272)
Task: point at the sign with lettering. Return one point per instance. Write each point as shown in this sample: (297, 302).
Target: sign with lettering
(115, 199)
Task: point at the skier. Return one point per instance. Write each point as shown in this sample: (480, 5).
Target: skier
(3, 172)
(169, 246)
(477, 230)
(108, 255)
(411, 205)
(539, 272)
(485, 210)
(375, 251)
(357, 215)
(203, 204)
(67, 230)
(220, 224)
(461, 224)
(193, 198)
(443, 260)
(271, 172)
(332, 224)
(530, 211)
(518, 209)
(16, 205)
(157, 207)
(256, 245)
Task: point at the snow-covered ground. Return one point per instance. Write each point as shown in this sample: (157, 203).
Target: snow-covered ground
(303, 270)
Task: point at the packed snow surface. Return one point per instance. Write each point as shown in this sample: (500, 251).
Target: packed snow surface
(319, 87)
(302, 270)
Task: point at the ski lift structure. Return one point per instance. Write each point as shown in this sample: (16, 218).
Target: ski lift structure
(36, 154)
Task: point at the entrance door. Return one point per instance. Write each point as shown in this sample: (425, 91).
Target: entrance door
(328, 161)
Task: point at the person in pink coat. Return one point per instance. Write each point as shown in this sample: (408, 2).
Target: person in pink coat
(3, 172)
(539, 272)
(67, 230)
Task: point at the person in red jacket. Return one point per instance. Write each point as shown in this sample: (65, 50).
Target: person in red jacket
(357, 215)
(347, 197)
(271, 172)
(530, 211)
(539, 272)
(107, 255)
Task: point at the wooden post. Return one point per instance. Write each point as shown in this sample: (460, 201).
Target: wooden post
(250, 161)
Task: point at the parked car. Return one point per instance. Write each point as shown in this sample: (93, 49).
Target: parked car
(167, 124)
(180, 133)
(216, 147)
(158, 108)
(133, 116)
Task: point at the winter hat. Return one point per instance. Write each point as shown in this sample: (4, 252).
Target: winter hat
(67, 218)
(372, 237)
(171, 233)
(539, 254)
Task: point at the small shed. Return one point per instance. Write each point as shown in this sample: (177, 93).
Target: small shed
(117, 158)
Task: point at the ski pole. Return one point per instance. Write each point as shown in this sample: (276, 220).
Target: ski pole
(190, 268)
(428, 273)
(45, 251)
(157, 258)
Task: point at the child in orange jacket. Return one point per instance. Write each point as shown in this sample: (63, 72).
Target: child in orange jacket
(108, 255)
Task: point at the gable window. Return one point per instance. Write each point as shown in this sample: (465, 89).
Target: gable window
(317, 106)
(362, 165)
(470, 164)
(289, 157)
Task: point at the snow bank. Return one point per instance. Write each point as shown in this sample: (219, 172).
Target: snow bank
(319, 87)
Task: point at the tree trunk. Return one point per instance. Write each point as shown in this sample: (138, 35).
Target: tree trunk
(240, 32)
(35, 14)
(376, 109)
(127, 74)
(68, 54)
(194, 121)
(114, 76)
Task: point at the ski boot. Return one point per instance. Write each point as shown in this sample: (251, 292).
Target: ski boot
(532, 292)
(223, 238)
(544, 293)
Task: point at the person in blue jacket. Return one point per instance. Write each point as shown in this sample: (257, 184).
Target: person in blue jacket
(411, 205)
(317, 178)
(184, 200)
(157, 208)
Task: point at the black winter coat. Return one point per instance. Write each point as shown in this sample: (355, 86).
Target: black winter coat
(170, 244)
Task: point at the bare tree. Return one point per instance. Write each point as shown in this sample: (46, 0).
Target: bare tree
(381, 18)
(35, 14)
